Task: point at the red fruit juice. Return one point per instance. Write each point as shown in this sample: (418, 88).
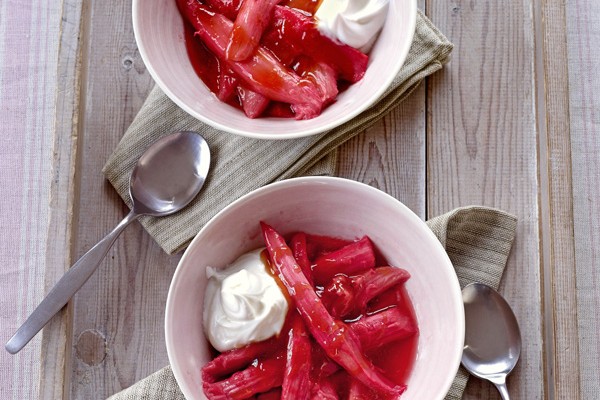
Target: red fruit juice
(208, 68)
(206, 65)
(396, 359)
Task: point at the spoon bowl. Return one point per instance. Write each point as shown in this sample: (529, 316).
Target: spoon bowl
(492, 336)
(166, 178)
(184, 159)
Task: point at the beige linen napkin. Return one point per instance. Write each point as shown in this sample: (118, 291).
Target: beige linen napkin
(240, 165)
(478, 242)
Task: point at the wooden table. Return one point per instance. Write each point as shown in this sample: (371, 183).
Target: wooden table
(511, 123)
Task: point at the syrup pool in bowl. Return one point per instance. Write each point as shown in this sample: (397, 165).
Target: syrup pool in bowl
(323, 206)
(347, 311)
(293, 64)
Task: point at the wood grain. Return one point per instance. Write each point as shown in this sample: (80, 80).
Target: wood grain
(28, 66)
(583, 32)
(391, 155)
(55, 360)
(556, 204)
(120, 310)
(482, 149)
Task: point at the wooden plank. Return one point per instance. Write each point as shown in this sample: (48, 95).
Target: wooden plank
(55, 360)
(583, 32)
(556, 204)
(118, 315)
(29, 44)
(482, 149)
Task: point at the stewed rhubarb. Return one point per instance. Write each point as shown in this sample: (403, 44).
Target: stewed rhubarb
(266, 58)
(259, 377)
(346, 296)
(349, 333)
(261, 72)
(334, 336)
(248, 27)
(351, 259)
(296, 379)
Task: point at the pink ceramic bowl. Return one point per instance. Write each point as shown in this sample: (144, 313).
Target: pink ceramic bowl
(158, 29)
(328, 206)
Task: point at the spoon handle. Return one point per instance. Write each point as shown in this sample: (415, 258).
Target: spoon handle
(503, 390)
(66, 287)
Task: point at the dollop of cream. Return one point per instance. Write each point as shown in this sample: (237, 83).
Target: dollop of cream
(353, 22)
(242, 303)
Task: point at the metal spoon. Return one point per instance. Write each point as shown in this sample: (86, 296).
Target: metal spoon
(165, 179)
(492, 336)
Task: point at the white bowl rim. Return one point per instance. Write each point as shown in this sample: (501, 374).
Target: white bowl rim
(451, 275)
(411, 11)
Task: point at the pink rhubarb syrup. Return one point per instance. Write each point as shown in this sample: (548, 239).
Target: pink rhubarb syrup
(208, 68)
(398, 358)
(395, 359)
(323, 66)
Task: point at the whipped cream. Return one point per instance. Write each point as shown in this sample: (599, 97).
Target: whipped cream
(242, 303)
(353, 22)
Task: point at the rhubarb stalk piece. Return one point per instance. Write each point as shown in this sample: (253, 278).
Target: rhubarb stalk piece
(345, 296)
(310, 6)
(339, 342)
(257, 378)
(262, 72)
(234, 360)
(319, 244)
(249, 25)
(298, 245)
(228, 8)
(324, 390)
(382, 328)
(253, 103)
(321, 74)
(296, 380)
(358, 391)
(349, 260)
(300, 30)
(273, 38)
(228, 82)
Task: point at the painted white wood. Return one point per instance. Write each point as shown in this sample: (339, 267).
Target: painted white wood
(583, 33)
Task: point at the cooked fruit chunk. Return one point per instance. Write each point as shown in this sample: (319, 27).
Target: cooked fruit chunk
(262, 72)
(382, 328)
(229, 8)
(345, 296)
(253, 103)
(339, 342)
(296, 380)
(300, 31)
(257, 378)
(351, 259)
(249, 25)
